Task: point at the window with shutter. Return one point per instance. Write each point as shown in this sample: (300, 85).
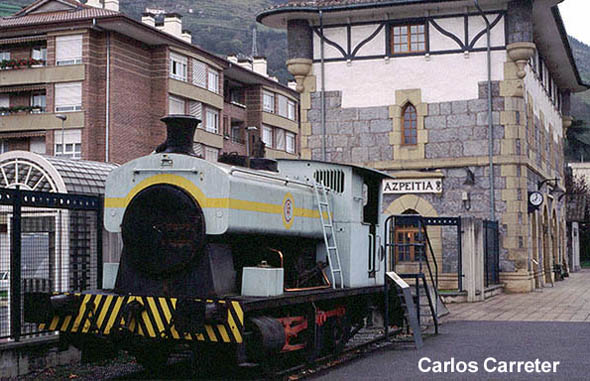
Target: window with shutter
(282, 105)
(178, 66)
(279, 139)
(290, 142)
(175, 106)
(198, 149)
(268, 101)
(196, 110)
(68, 143)
(199, 73)
(68, 97)
(267, 136)
(68, 50)
(213, 80)
(211, 154)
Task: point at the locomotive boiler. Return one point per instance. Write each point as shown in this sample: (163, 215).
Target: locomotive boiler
(273, 257)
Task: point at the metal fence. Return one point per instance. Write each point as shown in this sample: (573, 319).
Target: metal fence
(492, 252)
(49, 242)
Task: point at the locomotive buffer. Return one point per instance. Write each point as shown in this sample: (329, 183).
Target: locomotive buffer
(321, 195)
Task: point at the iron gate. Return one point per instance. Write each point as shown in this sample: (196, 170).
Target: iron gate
(491, 252)
(49, 242)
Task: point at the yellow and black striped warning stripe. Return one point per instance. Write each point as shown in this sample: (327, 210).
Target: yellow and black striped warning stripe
(105, 314)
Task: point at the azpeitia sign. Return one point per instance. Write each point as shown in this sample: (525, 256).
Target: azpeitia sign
(412, 186)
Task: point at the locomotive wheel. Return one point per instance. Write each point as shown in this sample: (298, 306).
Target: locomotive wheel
(336, 333)
(152, 358)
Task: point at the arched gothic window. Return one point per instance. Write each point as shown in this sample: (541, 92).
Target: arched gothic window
(409, 125)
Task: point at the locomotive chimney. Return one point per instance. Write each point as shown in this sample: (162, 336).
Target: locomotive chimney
(180, 130)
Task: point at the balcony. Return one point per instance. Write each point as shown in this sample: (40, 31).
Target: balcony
(42, 75)
(277, 154)
(208, 138)
(39, 121)
(279, 121)
(189, 91)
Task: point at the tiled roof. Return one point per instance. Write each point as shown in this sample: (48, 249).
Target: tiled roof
(338, 3)
(53, 17)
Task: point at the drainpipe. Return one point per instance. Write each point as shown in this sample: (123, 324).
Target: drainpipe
(107, 103)
(323, 85)
(490, 120)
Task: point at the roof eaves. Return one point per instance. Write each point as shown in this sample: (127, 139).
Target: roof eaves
(177, 40)
(308, 7)
(566, 44)
(38, 3)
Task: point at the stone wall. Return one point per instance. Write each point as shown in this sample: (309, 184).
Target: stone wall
(358, 135)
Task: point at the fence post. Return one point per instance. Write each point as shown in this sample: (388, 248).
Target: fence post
(99, 257)
(15, 267)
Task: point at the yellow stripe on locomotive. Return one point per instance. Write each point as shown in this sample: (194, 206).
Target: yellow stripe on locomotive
(147, 316)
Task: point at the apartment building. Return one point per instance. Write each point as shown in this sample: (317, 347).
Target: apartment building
(86, 81)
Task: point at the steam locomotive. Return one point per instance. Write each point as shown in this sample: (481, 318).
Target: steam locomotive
(257, 261)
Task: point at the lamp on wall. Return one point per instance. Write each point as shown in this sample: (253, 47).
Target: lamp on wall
(248, 129)
(466, 198)
(541, 183)
(63, 119)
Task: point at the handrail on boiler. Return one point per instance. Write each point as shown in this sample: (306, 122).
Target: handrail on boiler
(268, 176)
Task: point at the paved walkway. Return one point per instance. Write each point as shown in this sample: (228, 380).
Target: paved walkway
(485, 344)
(568, 301)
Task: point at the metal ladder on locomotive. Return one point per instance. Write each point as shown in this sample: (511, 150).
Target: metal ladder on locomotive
(321, 195)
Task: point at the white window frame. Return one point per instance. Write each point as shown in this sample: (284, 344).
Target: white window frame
(71, 106)
(73, 144)
(176, 102)
(268, 101)
(213, 80)
(291, 109)
(178, 67)
(290, 142)
(283, 104)
(73, 56)
(4, 55)
(211, 120)
(267, 136)
(236, 134)
(39, 53)
(279, 138)
(43, 104)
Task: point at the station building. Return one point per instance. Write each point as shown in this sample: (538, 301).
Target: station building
(111, 78)
(402, 86)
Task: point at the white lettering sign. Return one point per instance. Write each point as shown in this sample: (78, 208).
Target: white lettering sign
(412, 186)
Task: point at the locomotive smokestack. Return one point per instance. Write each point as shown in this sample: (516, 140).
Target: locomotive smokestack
(180, 130)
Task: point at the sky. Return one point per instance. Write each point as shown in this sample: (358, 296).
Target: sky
(575, 17)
